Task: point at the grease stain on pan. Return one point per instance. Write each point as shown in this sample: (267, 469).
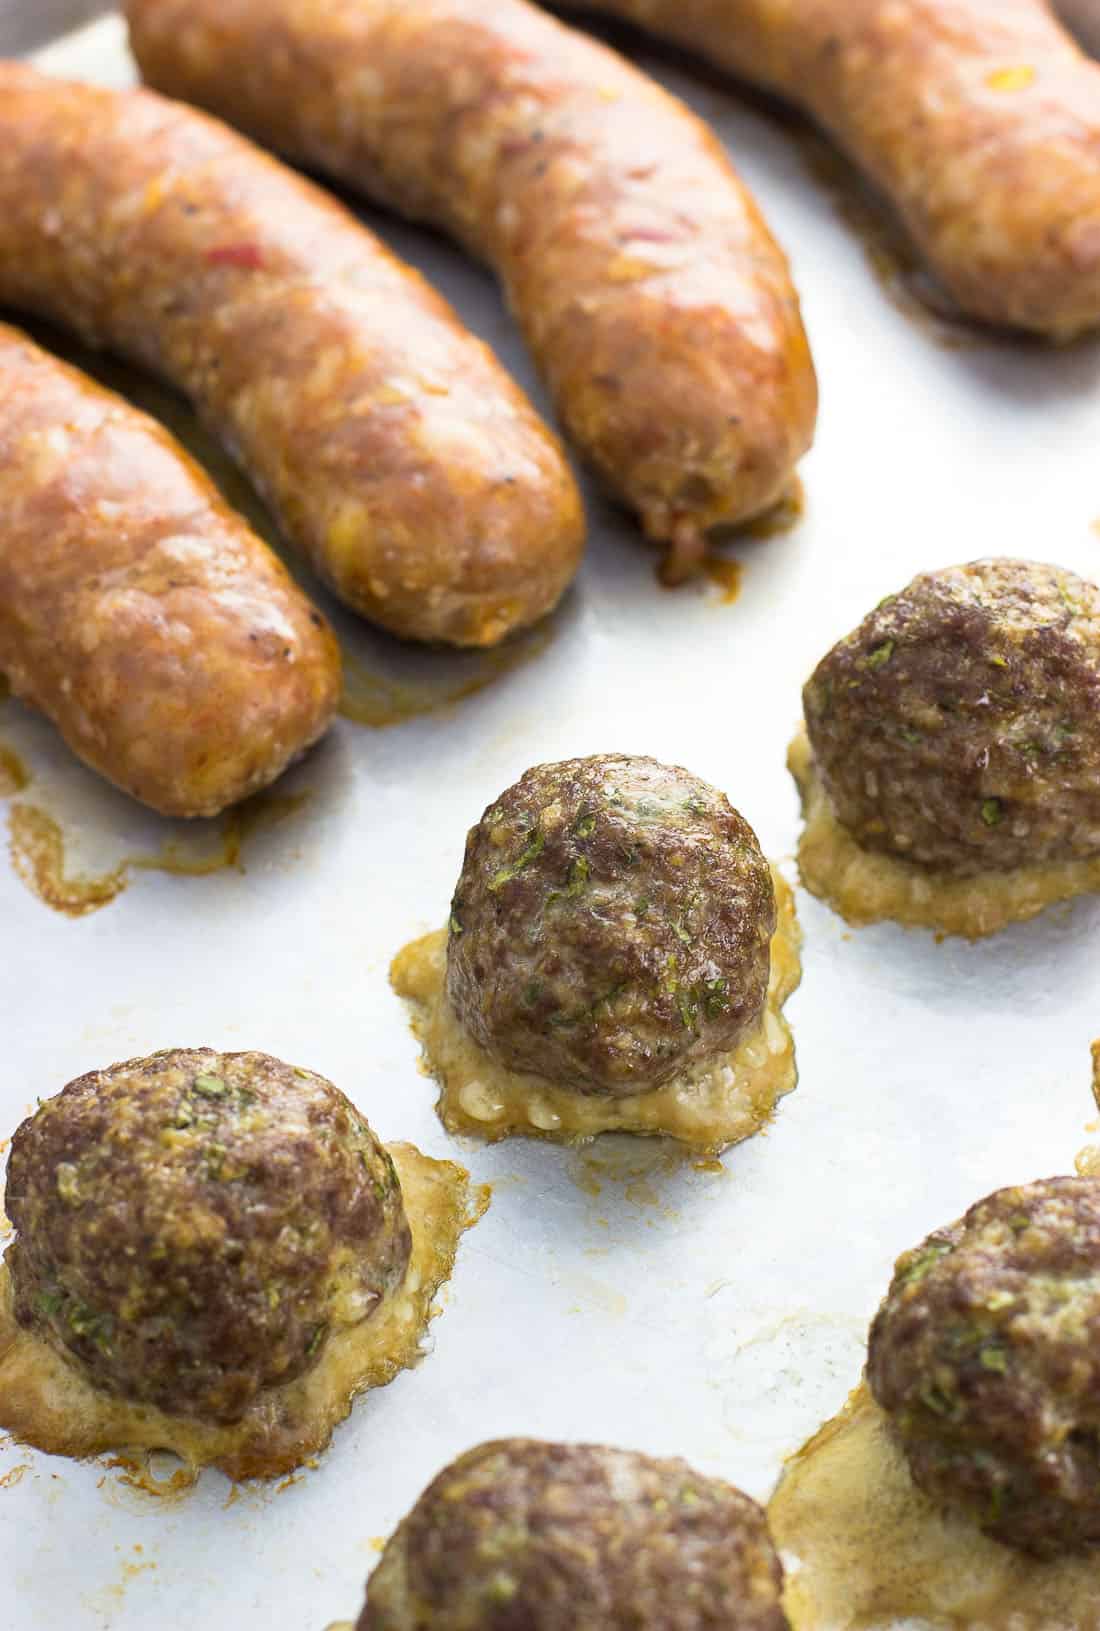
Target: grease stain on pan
(38, 853)
(594, 1295)
(725, 574)
(866, 1551)
(145, 1476)
(897, 267)
(1087, 1162)
(14, 775)
(111, 1598)
(637, 1173)
(378, 700)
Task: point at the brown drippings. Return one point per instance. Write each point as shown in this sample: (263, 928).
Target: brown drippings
(898, 269)
(723, 571)
(636, 1170)
(866, 1551)
(15, 1475)
(378, 701)
(237, 826)
(136, 1472)
(38, 854)
(14, 774)
(725, 575)
(1087, 1162)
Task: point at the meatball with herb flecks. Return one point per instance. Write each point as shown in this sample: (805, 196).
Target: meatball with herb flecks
(985, 1355)
(191, 1227)
(959, 726)
(611, 925)
(527, 1536)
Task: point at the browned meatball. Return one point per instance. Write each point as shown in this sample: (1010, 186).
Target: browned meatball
(959, 726)
(611, 924)
(986, 1355)
(191, 1226)
(524, 1536)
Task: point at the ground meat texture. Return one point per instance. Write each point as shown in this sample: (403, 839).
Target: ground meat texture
(524, 1536)
(190, 1227)
(986, 1356)
(959, 726)
(611, 925)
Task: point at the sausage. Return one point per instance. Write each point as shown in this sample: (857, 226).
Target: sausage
(394, 449)
(978, 119)
(168, 645)
(1081, 17)
(654, 298)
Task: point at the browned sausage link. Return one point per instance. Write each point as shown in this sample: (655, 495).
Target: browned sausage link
(649, 288)
(393, 447)
(978, 119)
(169, 646)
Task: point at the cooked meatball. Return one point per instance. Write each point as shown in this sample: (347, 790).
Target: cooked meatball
(191, 1226)
(524, 1536)
(612, 925)
(959, 726)
(986, 1356)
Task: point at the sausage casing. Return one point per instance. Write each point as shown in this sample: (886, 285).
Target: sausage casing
(391, 445)
(165, 641)
(978, 119)
(654, 298)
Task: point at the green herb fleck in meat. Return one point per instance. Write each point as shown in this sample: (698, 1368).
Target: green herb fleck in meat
(514, 868)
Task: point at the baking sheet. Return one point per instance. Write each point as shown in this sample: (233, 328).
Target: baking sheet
(614, 1293)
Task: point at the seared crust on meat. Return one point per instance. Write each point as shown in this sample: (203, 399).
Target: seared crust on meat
(393, 448)
(191, 1228)
(986, 1356)
(611, 925)
(520, 1535)
(958, 727)
(649, 288)
(166, 642)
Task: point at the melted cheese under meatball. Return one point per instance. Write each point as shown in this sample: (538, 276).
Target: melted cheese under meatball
(714, 1104)
(865, 1550)
(47, 1402)
(867, 886)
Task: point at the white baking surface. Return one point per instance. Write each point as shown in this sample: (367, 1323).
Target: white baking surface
(718, 1316)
